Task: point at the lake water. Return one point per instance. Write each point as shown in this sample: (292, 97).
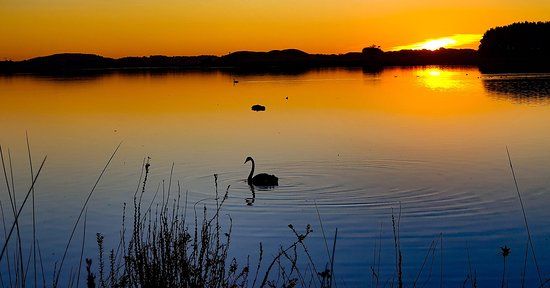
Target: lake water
(356, 145)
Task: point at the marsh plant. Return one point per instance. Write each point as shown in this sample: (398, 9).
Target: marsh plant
(166, 248)
(505, 252)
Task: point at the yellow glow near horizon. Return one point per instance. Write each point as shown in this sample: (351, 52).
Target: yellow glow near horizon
(438, 43)
(454, 41)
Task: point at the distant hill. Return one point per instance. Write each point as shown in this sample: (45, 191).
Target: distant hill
(72, 62)
(517, 47)
(271, 58)
(66, 61)
(160, 61)
(290, 59)
(440, 56)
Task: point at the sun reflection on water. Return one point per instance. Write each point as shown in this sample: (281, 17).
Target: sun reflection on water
(437, 79)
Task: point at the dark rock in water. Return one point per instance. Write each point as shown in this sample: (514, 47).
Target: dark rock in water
(258, 107)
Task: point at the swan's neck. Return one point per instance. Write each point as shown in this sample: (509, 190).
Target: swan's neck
(251, 172)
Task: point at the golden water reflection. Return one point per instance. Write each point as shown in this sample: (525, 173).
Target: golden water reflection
(195, 110)
(199, 103)
(440, 78)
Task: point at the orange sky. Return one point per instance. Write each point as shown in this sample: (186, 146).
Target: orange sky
(189, 27)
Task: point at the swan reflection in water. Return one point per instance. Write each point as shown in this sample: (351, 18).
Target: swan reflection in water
(250, 200)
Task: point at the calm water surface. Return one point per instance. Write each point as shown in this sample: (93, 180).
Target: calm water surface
(429, 140)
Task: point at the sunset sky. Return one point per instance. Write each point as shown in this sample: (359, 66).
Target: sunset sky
(119, 28)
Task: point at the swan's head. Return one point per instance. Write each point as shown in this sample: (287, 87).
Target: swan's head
(248, 159)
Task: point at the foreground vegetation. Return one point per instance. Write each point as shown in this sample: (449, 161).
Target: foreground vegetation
(163, 251)
(165, 245)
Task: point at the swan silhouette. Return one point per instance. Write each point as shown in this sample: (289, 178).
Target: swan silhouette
(262, 179)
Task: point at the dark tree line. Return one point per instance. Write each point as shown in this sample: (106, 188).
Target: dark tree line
(291, 59)
(517, 47)
(526, 39)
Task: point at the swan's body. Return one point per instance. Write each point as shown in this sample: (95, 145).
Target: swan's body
(262, 179)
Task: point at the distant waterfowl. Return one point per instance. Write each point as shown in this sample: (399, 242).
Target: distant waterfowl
(262, 179)
(258, 107)
(235, 81)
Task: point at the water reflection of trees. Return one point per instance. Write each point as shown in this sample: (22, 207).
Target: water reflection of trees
(519, 89)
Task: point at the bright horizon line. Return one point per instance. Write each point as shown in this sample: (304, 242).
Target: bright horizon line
(452, 41)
